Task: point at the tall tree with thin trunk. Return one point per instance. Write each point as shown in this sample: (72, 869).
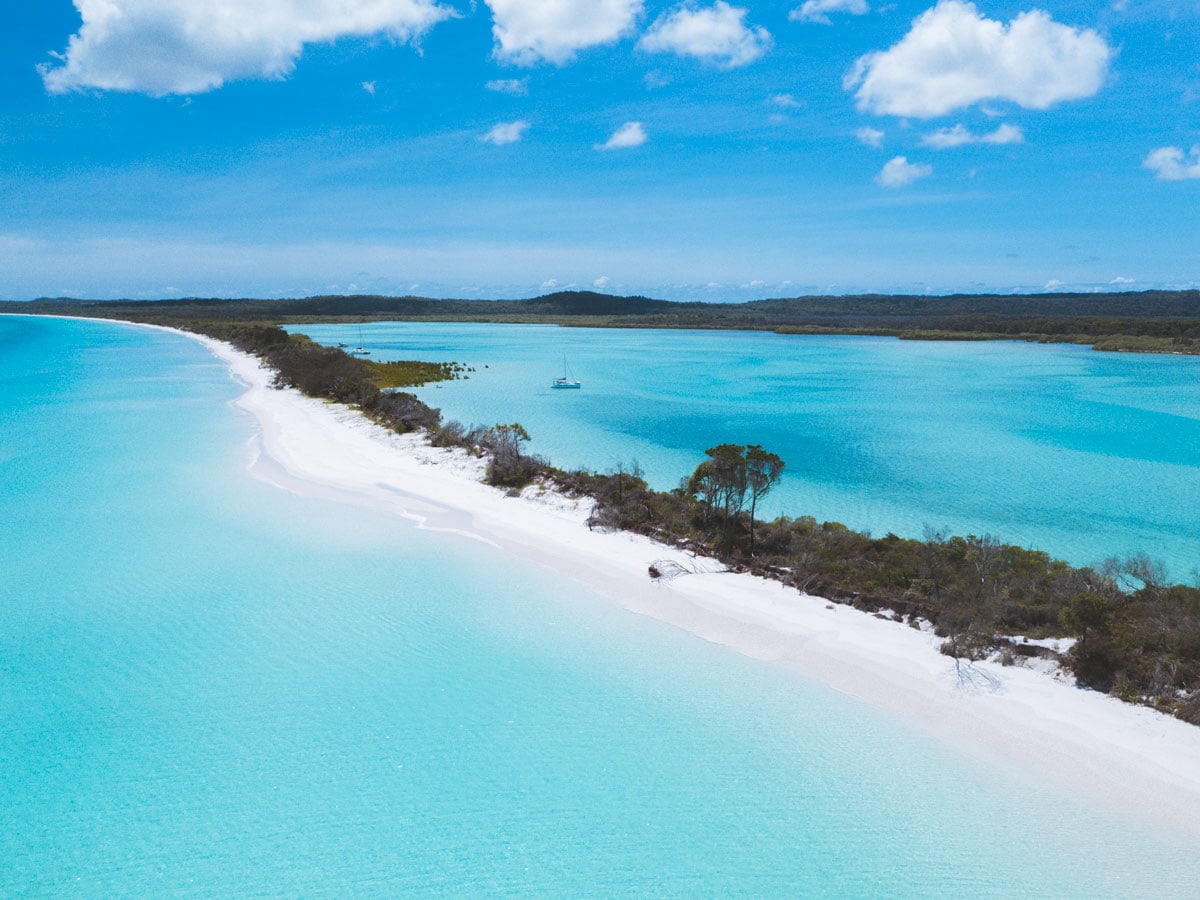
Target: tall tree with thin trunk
(763, 469)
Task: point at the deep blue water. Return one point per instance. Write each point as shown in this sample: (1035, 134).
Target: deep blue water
(1083, 454)
(212, 687)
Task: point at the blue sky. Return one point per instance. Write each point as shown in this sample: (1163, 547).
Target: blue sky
(500, 148)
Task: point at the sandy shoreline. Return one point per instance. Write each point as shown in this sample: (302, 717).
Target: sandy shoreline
(1020, 718)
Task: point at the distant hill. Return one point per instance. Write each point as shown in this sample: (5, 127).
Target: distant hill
(1151, 321)
(790, 310)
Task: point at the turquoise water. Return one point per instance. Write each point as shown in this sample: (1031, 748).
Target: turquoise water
(212, 687)
(1084, 454)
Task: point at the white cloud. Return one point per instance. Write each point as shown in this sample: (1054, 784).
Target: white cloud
(898, 172)
(1122, 280)
(601, 282)
(817, 10)
(655, 79)
(871, 137)
(164, 47)
(369, 87)
(716, 34)
(549, 284)
(961, 136)
(531, 31)
(631, 134)
(954, 57)
(518, 87)
(1172, 164)
(506, 133)
(786, 101)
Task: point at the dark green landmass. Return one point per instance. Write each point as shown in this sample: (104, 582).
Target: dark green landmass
(1145, 322)
(1136, 636)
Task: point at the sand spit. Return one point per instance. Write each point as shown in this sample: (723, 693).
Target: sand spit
(1031, 721)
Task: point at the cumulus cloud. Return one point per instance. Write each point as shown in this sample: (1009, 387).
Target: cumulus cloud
(532, 31)
(871, 137)
(164, 47)
(369, 87)
(601, 282)
(506, 133)
(516, 86)
(961, 136)
(786, 101)
(818, 10)
(954, 57)
(898, 172)
(716, 34)
(631, 134)
(1172, 164)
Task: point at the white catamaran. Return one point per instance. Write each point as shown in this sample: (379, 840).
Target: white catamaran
(567, 381)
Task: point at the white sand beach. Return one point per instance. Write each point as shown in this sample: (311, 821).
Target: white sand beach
(1030, 721)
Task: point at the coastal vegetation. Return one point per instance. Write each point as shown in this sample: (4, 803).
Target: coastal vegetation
(1129, 633)
(1144, 322)
(1122, 628)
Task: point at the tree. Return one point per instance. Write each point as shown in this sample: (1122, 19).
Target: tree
(508, 466)
(720, 482)
(731, 475)
(762, 471)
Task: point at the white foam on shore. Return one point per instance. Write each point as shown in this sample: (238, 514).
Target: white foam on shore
(1022, 718)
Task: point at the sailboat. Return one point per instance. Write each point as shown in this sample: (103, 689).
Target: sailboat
(360, 350)
(567, 381)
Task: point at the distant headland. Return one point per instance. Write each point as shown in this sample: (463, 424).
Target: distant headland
(1142, 322)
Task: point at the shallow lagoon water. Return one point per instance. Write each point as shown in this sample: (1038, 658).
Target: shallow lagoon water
(212, 687)
(1083, 454)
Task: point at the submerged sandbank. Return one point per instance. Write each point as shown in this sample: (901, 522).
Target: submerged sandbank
(1027, 720)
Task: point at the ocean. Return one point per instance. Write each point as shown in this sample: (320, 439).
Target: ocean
(213, 687)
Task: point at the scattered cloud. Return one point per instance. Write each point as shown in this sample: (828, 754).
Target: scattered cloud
(1054, 284)
(506, 133)
(871, 137)
(549, 284)
(162, 47)
(531, 31)
(1122, 281)
(518, 87)
(954, 57)
(601, 282)
(818, 10)
(786, 101)
(961, 136)
(1172, 164)
(898, 172)
(631, 134)
(369, 87)
(655, 79)
(716, 34)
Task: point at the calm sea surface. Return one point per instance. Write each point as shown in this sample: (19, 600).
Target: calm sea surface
(1056, 447)
(212, 687)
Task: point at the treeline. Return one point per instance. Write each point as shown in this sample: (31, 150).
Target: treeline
(330, 373)
(1147, 321)
(1135, 636)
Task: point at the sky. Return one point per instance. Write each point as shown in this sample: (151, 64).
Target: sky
(719, 151)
